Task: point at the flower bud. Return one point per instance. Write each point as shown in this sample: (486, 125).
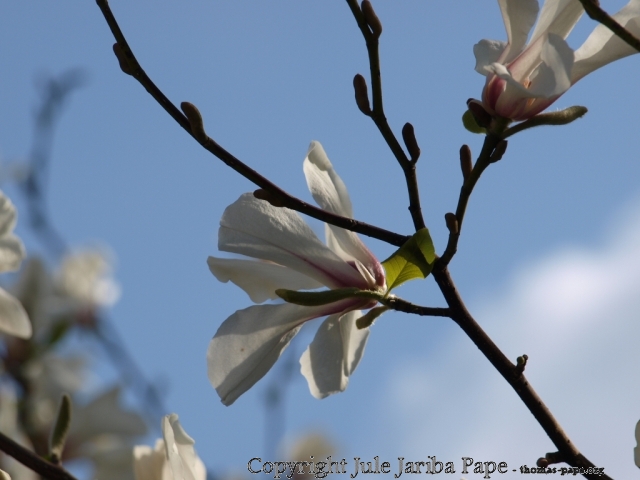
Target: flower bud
(452, 223)
(362, 96)
(371, 18)
(466, 162)
(409, 137)
(195, 120)
(499, 151)
(122, 59)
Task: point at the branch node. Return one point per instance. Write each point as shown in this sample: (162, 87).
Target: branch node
(499, 151)
(362, 95)
(268, 196)
(122, 59)
(409, 137)
(550, 459)
(452, 223)
(521, 363)
(195, 120)
(466, 162)
(371, 18)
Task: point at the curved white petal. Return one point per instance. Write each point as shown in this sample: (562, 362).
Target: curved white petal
(257, 229)
(259, 279)
(11, 253)
(553, 76)
(333, 354)
(7, 215)
(486, 53)
(249, 342)
(13, 318)
(519, 17)
(182, 457)
(327, 188)
(148, 463)
(557, 17)
(603, 47)
(330, 192)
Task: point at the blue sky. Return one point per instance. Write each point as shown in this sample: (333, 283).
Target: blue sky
(269, 77)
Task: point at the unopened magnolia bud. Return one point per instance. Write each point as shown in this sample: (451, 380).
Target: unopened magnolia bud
(409, 137)
(499, 151)
(362, 96)
(371, 18)
(122, 59)
(367, 319)
(466, 162)
(482, 117)
(521, 363)
(268, 197)
(561, 117)
(452, 223)
(195, 120)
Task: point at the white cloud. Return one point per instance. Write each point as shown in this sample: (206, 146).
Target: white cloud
(576, 314)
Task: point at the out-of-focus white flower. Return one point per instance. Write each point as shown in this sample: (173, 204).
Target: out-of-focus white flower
(291, 256)
(13, 318)
(524, 79)
(173, 457)
(85, 276)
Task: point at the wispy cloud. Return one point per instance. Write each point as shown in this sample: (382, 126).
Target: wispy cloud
(576, 314)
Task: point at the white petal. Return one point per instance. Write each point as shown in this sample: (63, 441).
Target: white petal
(4, 475)
(257, 229)
(327, 188)
(552, 77)
(179, 449)
(249, 342)
(7, 215)
(259, 279)
(519, 17)
(333, 354)
(603, 47)
(11, 253)
(486, 53)
(13, 318)
(148, 463)
(557, 17)
(330, 192)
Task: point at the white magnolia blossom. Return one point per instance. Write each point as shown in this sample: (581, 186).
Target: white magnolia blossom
(173, 457)
(13, 318)
(524, 78)
(290, 256)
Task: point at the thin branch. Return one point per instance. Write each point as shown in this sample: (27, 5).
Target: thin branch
(511, 373)
(592, 7)
(484, 160)
(396, 303)
(32, 461)
(134, 69)
(379, 118)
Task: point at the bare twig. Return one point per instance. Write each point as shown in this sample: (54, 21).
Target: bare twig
(377, 111)
(289, 201)
(396, 303)
(32, 461)
(592, 7)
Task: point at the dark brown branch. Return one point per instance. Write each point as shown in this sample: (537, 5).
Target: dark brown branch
(379, 118)
(484, 160)
(134, 69)
(401, 305)
(592, 7)
(510, 372)
(32, 461)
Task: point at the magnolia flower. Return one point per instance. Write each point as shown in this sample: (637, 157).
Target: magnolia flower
(13, 318)
(524, 79)
(173, 457)
(291, 256)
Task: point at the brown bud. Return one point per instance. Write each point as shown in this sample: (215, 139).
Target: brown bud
(483, 118)
(362, 96)
(466, 162)
(409, 137)
(542, 462)
(371, 18)
(195, 120)
(499, 151)
(267, 196)
(122, 59)
(452, 223)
